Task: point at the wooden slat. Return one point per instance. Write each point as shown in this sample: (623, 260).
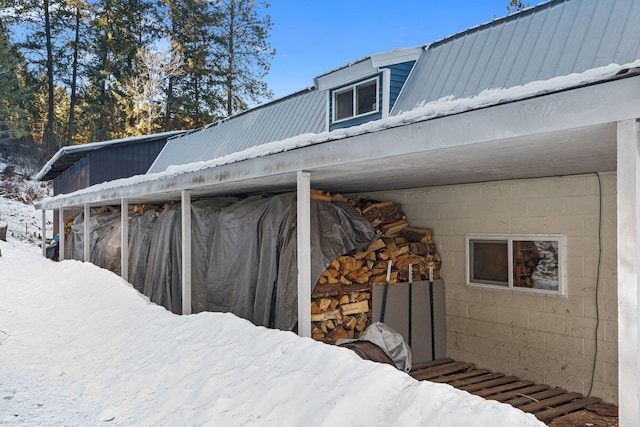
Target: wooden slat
(504, 388)
(504, 397)
(471, 373)
(567, 408)
(474, 380)
(523, 400)
(442, 370)
(431, 363)
(488, 384)
(545, 403)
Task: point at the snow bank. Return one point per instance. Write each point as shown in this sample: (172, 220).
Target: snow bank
(80, 346)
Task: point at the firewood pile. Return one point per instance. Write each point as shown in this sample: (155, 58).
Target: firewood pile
(341, 300)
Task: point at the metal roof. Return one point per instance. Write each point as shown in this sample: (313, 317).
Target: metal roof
(556, 38)
(297, 114)
(69, 155)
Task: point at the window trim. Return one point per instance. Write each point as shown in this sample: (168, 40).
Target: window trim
(509, 239)
(353, 87)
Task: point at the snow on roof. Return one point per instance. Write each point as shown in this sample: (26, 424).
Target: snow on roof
(427, 111)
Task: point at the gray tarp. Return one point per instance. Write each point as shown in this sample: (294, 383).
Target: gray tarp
(243, 253)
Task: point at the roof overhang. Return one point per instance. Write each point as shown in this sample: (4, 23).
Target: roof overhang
(563, 133)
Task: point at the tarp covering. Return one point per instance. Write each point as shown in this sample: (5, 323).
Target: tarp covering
(243, 252)
(387, 340)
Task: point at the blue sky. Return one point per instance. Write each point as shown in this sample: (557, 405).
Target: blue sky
(313, 37)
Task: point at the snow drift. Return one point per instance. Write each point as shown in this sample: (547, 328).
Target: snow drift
(79, 346)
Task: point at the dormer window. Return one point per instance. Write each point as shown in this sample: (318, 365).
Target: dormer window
(356, 100)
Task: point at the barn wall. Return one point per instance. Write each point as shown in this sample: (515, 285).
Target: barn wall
(541, 338)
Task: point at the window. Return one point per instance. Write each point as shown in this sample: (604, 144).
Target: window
(356, 100)
(523, 263)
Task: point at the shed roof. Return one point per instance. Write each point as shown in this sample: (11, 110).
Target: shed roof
(69, 155)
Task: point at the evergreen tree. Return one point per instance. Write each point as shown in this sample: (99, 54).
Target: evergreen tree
(14, 95)
(242, 53)
(516, 6)
(191, 99)
(119, 29)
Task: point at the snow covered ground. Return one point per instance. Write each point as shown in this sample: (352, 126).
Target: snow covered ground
(80, 347)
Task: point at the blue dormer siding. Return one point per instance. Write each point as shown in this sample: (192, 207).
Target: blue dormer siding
(399, 74)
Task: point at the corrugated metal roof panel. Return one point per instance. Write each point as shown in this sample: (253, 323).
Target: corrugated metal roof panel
(303, 112)
(553, 39)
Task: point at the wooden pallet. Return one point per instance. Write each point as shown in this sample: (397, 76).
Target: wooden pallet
(543, 401)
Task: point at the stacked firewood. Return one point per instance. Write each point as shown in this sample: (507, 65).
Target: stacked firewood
(341, 300)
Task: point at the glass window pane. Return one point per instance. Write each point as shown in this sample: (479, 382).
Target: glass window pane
(489, 262)
(535, 264)
(367, 97)
(344, 105)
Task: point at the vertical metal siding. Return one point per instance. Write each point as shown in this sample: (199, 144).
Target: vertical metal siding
(122, 161)
(74, 178)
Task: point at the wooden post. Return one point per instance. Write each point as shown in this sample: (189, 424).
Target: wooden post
(61, 234)
(304, 253)
(186, 252)
(44, 232)
(87, 234)
(124, 239)
(628, 201)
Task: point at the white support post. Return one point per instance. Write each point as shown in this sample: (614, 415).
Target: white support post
(61, 234)
(87, 234)
(186, 252)
(628, 208)
(44, 232)
(124, 239)
(304, 253)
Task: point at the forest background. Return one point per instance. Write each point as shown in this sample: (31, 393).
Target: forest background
(78, 71)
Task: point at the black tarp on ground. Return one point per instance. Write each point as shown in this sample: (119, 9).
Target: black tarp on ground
(243, 253)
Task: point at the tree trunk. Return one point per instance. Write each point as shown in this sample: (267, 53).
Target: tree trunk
(230, 58)
(50, 82)
(74, 77)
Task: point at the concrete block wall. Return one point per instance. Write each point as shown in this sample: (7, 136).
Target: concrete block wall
(547, 339)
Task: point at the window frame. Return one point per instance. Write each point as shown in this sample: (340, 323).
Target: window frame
(509, 239)
(354, 88)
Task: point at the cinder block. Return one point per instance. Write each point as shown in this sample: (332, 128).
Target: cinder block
(549, 206)
(511, 317)
(497, 190)
(527, 225)
(466, 192)
(568, 345)
(547, 322)
(530, 189)
(482, 312)
(573, 304)
(527, 338)
(581, 327)
(568, 186)
(529, 303)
